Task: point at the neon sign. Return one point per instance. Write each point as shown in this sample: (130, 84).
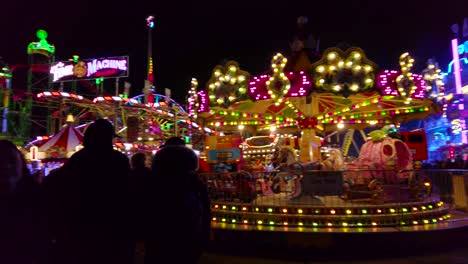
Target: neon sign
(97, 65)
(456, 66)
(113, 67)
(458, 125)
(60, 70)
(463, 48)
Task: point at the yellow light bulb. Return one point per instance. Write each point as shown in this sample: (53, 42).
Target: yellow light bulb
(331, 56)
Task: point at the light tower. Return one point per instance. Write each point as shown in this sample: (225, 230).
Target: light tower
(5, 90)
(149, 82)
(40, 56)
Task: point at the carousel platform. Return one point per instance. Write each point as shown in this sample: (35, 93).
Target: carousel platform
(339, 242)
(278, 210)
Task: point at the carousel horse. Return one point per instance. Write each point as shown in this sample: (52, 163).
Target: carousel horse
(290, 169)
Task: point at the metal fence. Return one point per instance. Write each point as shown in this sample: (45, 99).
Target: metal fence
(338, 188)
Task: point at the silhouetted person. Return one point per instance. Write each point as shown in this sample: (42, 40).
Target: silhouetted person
(140, 177)
(180, 220)
(91, 198)
(20, 200)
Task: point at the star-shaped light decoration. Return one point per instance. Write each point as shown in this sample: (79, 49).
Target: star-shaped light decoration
(227, 84)
(344, 72)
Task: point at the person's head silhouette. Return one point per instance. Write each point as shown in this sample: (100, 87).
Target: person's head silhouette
(12, 166)
(138, 160)
(174, 141)
(99, 135)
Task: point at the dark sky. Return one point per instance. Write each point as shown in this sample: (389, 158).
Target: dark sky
(191, 37)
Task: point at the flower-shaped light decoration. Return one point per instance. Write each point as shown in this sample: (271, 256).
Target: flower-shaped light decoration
(344, 72)
(387, 82)
(434, 81)
(192, 101)
(227, 84)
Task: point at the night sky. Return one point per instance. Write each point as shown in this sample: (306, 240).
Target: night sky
(190, 38)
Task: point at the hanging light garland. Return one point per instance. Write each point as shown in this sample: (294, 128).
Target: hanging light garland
(375, 117)
(227, 84)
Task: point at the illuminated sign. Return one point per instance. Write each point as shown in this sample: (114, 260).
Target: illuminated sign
(463, 48)
(456, 66)
(112, 67)
(458, 125)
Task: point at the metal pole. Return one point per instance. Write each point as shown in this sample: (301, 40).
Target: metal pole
(117, 86)
(117, 107)
(5, 105)
(176, 130)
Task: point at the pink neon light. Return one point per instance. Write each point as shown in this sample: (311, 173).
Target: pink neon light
(203, 102)
(386, 81)
(300, 86)
(456, 66)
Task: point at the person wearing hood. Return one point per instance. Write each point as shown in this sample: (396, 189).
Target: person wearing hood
(20, 200)
(91, 198)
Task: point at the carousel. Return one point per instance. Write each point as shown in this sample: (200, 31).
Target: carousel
(286, 173)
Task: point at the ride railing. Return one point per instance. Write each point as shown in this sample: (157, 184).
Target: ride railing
(348, 188)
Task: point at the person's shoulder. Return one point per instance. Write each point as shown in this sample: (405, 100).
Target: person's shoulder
(119, 154)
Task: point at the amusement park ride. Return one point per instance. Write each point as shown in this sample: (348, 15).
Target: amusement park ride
(52, 94)
(264, 136)
(287, 175)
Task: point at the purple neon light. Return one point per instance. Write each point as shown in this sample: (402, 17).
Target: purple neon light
(202, 102)
(300, 86)
(386, 81)
(456, 66)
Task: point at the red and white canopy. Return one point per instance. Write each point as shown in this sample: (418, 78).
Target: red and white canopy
(67, 138)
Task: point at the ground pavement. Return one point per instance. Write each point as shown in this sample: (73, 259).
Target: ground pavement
(458, 256)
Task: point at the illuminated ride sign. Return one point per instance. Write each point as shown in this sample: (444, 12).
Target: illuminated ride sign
(112, 67)
(463, 48)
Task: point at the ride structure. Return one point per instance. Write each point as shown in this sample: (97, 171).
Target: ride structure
(311, 98)
(79, 91)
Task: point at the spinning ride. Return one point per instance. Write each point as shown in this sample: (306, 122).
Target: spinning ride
(342, 89)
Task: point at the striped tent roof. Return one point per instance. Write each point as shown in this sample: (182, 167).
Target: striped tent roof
(67, 138)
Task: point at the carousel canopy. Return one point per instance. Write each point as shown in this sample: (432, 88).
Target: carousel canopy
(67, 139)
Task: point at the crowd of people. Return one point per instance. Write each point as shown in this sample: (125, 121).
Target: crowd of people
(100, 205)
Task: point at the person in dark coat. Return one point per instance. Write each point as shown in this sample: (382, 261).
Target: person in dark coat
(91, 198)
(140, 177)
(180, 219)
(20, 199)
